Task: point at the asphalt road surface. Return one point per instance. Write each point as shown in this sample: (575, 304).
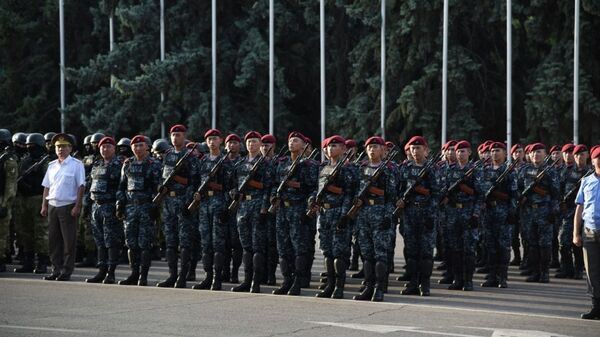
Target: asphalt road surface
(30, 306)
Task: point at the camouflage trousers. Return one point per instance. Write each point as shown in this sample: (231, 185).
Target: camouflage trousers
(333, 243)
(139, 227)
(106, 228)
(565, 235)
(31, 227)
(177, 222)
(498, 233)
(374, 236)
(213, 231)
(293, 232)
(419, 233)
(539, 229)
(252, 227)
(461, 236)
(4, 232)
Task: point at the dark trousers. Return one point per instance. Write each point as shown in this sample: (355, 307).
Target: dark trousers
(591, 256)
(62, 235)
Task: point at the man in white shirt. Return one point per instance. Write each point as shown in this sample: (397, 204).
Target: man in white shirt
(64, 184)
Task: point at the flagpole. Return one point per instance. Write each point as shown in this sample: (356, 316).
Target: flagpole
(162, 58)
(383, 68)
(509, 78)
(271, 67)
(214, 64)
(322, 49)
(61, 20)
(576, 77)
(445, 73)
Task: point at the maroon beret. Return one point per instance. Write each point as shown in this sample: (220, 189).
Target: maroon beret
(231, 137)
(390, 145)
(579, 149)
(324, 143)
(515, 148)
(463, 144)
(212, 132)
(138, 139)
(596, 152)
(177, 128)
(336, 139)
(567, 148)
(537, 146)
(375, 140)
(190, 145)
(268, 139)
(417, 140)
(252, 134)
(449, 144)
(107, 140)
(307, 140)
(297, 135)
(554, 148)
(350, 143)
(497, 145)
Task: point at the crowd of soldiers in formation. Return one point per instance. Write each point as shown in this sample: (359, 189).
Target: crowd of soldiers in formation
(265, 208)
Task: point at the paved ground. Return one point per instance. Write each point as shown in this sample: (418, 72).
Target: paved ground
(33, 307)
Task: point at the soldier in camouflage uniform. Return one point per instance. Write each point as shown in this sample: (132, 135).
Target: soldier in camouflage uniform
(233, 248)
(8, 190)
(140, 177)
(31, 227)
(85, 237)
(102, 184)
(293, 234)
(177, 220)
(449, 158)
(334, 237)
(540, 206)
(375, 218)
(213, 211)
(570, 182)
(267, 149)
(517, 154)
(501, 203)
(196, 254)
(462, 216)
(419, 218)
(252, 212)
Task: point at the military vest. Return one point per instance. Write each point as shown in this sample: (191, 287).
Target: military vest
(105, 179)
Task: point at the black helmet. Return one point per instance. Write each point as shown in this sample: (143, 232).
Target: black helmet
(36, 138)
(148, 141)
(124, 142)
(96, 137)
(5, 136)
(48, 136)
(86, 140)
(19, 137)
(160, 146)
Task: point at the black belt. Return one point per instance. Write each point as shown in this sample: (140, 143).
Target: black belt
(460, 205)
(372, 202)
(102, 202)
(290, 203)
(328, 205)
(495, 203)
(423, 204)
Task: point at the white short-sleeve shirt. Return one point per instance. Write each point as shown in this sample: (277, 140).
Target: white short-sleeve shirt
(63, 181)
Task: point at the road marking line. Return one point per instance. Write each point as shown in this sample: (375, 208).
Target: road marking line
(378, 328)
(515, 333)
(22, 327)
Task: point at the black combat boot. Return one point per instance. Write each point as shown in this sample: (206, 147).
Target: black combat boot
(545, 257)
(134, 265)
(258, 263)
(286, 271)
(226, 275)
(340, 278)
(27, 263)
(469, 269)
(354, 259)
(248, 266)
(516, 249)
(380, 275)
(307, 273)
(299, 275)
(41, 264)
(367, 292)
(457, 270)
(449, 276)
(171, 256)
(102, 268)
(191, 276)
(207, 265)
(502, 270)
(566, 263)
(217, 280)
(184, 268)
(425, 269)
(492, 280)
(534, 263)
(554, 261)
(578, 269)
(113, 260)
(412, 288)
(330, 286)
(595, 312)
(145, 261)
(236, 262)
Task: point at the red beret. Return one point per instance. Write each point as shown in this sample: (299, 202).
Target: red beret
(375, 140)
(406, 147)
(336, 139)
(579, 148)
(268, 139)
(138, 139)
(417, 140)
(596, 152)
(297, 135)
(449, 144)
(390, 145)
(212, 132)
(537, 146)
(554, 148)
(231, 137)
(528, 148)
(463, 144)
(190, 145)
(515, 148)
(497, 145)
(350, 143)
(107, 140)
(567, 148)
(252, 134)
(307, 140)
(481, 147)
(324, 143)
(177, 128)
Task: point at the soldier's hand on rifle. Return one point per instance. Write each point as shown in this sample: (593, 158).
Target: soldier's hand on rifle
(563, 207)
(162, 189)
(444, 202)
(400, 204)
(358, 202)
(120, 210)
(274, 202)
(197, 197)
